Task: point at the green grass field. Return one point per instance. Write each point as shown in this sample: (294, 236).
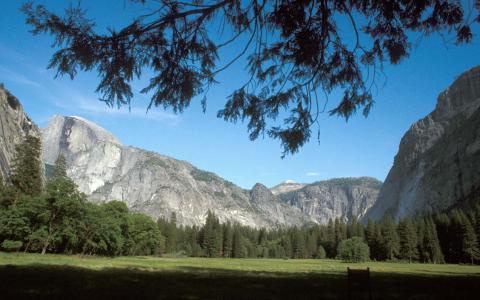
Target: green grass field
(74, 277)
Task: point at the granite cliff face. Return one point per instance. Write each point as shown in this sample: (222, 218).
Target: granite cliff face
(266, 203)
(157, 185)
(438, 162)
(286, 186)
(14, 126)
(335, 198)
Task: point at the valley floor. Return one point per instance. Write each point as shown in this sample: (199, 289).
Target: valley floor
(74, 277)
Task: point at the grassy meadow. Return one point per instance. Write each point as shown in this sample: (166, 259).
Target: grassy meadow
(75, 277)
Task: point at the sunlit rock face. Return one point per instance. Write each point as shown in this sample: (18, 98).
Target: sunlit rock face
(14, 126)
(155, 184)
(266, 203)
(341, 198)
(286, 186)
(437, 166)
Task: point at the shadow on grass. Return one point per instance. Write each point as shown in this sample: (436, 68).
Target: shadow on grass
(66, 282)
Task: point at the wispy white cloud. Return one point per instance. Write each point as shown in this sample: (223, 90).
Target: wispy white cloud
(10, 75)
(71, 100)
(312, 174)
(81, 104)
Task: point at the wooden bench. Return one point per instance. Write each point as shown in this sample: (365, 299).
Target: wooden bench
(359, 280)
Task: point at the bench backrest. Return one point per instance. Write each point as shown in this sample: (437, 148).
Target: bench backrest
(358, 275)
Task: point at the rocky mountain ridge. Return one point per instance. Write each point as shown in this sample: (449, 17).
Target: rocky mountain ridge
(286, 186)
(155, 184)
(335, 198)
(152, 183)
(14, 126)
(438, 162)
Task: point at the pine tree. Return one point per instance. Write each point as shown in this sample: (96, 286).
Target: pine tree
(340, 231)
(408, 240)
(442, 223)
(330, 241)
(370, 236)
(456, 233)
(311, 245)
(170, 233)
(477, 219)
(355, 228)
(60, 168)
(470, 242)
(26, 167)
(238, 247)
(431, 246)
(209, 243)
(227, 240)
(298, 244)
(8, 195)
(287, 245)
(391, 242)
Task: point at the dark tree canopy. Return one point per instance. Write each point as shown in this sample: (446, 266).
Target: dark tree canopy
(296, 50)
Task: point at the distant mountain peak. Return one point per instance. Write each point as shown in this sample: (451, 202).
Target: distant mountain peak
(154, 184)
(286, 186)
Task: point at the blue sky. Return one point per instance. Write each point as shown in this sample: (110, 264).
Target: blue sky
(361, 147)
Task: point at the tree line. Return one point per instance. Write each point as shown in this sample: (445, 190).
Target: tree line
(441, 238)
(55, 217)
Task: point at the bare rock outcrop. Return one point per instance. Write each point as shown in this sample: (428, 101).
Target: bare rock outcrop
(14, 126)
(155, 184)
(341, 198)
(438, 162)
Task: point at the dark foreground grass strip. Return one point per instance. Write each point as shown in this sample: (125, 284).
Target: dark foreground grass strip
(66, 282)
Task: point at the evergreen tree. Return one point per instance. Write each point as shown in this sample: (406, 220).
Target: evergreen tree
(442, 223)
(171, 234)
(8, 195)
(212, 236)
(370, 236)
(60, 168)
(179, 47)
(298, 244)
(287, 245)
(391, 243)
(330, 240)
(311, 245)
(477, 219)
(238, 247)
(355, 228)
(470, 242)
(456, 233)
(431, 247)
(340, 231)
(227, 240)
(27, 174)
(408, 240)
